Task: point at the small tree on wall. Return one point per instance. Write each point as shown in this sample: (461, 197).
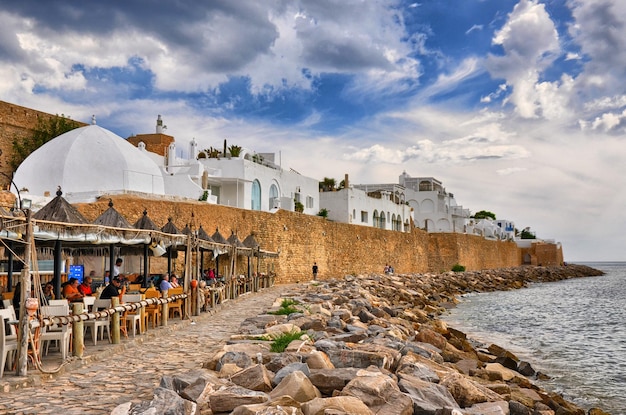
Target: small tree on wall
(484, 214)
(46, 130)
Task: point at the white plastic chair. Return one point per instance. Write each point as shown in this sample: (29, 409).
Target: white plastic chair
(59, 302)
(60, 333)
(133, 317)
(89, 302)
(8, 341)
(98, 326)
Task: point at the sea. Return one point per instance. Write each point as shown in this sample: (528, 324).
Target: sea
(574, 331)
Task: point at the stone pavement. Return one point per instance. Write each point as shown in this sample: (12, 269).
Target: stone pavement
(109, 375)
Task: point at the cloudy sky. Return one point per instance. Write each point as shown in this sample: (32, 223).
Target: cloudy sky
(518, 107)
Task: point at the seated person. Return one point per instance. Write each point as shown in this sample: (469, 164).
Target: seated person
(174, 281)
(70, 291)
(165, 283)
(85, 287)
(48, 292)
(114, 289)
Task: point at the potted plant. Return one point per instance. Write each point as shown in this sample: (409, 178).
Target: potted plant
(234, 150)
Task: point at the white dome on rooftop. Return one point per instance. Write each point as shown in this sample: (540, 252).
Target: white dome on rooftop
(89, 160)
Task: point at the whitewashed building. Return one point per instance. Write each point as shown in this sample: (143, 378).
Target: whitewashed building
(380, 208)
(434, 209)
(91, 161)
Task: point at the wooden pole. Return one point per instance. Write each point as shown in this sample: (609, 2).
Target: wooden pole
(164, 310)
(115, 320)
(188, 272)
(25, 282)
(78, 344)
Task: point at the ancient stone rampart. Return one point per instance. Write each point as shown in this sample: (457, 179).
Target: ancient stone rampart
(337, 248)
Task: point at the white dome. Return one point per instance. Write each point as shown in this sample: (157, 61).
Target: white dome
(89, 161)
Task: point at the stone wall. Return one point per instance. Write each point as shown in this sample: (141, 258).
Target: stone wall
(155, 143)
(337, 248)
(15, 121)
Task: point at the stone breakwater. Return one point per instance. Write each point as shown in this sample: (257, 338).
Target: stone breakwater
(367, 344)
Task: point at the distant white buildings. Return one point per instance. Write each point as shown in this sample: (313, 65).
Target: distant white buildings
(423, 200)
(90, 162)
(379, 209)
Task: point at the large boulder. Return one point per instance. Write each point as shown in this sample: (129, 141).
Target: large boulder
(165, 401)
(347, 405)
(467, 392)
(228, 398)
(427, 397)
(256, 378)
(380, 393)
(298, 386)
(329, 381)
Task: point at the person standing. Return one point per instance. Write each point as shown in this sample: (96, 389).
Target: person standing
(315, 270)
(117, 269)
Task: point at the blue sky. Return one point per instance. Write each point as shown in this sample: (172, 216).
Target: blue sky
(518, 107)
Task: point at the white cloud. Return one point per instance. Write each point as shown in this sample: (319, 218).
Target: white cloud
(530, 43)
(511, 170)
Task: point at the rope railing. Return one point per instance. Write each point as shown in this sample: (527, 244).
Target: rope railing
(94, 315)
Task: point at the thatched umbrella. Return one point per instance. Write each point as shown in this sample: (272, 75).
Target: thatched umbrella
(60, 213)
(217, 237)
(112, 218)
(145, 223)
(170, 228)
(203, 240)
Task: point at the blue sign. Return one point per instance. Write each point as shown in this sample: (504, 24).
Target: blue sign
(77, 271)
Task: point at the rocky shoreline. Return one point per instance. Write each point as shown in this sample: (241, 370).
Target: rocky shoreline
(367, 344)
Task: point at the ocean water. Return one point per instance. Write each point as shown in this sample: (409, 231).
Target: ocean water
(574, 331)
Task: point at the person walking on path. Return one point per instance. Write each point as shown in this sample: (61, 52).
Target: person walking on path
(315, 270)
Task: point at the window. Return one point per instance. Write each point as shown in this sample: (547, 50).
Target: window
(364, 217)
(309, 202)
(274, 202)
(256, 196)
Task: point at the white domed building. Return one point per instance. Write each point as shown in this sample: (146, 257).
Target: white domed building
(88, 162)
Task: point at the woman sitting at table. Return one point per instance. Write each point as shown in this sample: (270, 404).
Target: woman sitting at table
(70, 291)
(174, 281)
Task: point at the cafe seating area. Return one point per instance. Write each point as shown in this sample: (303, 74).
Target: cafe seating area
(138, 312)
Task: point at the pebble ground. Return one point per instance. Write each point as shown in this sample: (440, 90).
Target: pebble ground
(109, 375)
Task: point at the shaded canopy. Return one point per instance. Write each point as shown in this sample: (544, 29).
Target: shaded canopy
(112, 217)
(217, 237)
(252, 243)
(203, 235)
(169, 227)
(144, 222)
(60, 210)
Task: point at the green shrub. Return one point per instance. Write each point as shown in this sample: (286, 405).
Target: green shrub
(458, 268)
(286, 307)
(288, 302)
(281, 342)
(284, 311)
